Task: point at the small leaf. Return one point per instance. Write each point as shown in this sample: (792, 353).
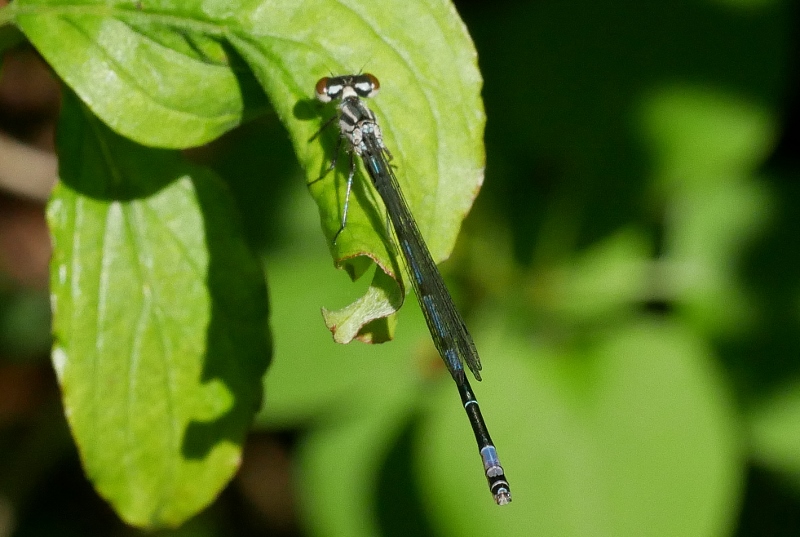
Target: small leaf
(159, 320)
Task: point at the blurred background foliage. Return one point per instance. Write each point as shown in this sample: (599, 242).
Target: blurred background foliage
(629, 272)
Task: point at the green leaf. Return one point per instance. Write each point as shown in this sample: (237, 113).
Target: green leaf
(159, 319)
(160, 78)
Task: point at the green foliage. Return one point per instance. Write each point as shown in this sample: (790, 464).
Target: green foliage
(629, 276)
(151, 285)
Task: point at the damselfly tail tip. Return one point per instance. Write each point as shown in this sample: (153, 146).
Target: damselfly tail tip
(499, 487)
(503, 497)
(496, 477)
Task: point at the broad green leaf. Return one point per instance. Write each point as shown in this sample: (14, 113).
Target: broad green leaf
(159, 321)
(631, 433)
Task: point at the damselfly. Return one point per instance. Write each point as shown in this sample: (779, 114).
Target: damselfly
(359, 127)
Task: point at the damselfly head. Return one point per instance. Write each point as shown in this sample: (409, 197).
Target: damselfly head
(338, 87)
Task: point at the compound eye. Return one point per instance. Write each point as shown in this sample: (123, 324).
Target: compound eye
(322, 91)
(366, 85)
(376, 86)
